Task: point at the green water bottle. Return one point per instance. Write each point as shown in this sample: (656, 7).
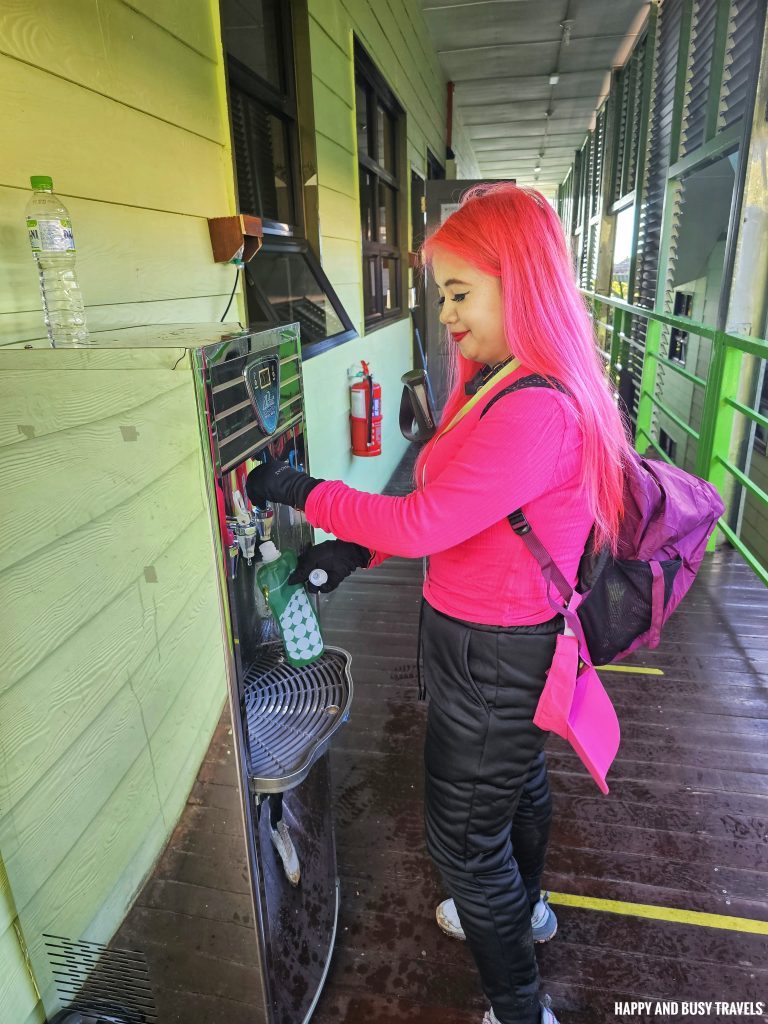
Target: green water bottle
(290, 606)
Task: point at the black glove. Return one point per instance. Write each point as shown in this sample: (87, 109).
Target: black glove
(337, 559)
(277, 481)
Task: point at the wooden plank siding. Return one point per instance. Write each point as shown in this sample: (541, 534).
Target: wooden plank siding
(114, 672)
(18, 999)
(395, 35)
(130, 121)
(111, 630)
(123, 104)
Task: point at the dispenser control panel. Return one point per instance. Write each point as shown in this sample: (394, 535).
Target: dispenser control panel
(262, 381)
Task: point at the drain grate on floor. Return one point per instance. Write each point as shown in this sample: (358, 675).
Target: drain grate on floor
(101, 984)
(291, 714)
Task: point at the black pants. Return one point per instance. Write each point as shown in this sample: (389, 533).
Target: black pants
(487, 802)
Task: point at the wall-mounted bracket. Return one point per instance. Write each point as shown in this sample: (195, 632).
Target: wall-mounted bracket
(231, 234)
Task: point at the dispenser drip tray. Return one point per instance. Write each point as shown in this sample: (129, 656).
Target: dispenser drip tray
(291, 714)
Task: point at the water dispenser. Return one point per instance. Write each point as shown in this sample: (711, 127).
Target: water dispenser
(166, 839)
(251, 402)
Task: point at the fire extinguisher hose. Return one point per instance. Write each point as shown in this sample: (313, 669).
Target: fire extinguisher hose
(369, 379)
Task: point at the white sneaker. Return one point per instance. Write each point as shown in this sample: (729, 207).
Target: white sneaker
(547, 1017)
(543, 920)
(282, 842)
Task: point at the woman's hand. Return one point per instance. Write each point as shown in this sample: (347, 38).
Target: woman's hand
(336, 558)
(277, 481)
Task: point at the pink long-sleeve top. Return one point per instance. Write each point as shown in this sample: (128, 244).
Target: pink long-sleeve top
(525, 452)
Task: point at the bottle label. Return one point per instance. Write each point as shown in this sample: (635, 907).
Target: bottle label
(50, 235)
(300, 629)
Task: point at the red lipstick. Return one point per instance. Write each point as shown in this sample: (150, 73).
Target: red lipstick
(459, 335)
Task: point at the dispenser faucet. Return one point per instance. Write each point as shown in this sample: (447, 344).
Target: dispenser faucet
(263, 518)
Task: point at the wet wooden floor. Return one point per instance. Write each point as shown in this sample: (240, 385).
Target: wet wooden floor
(685, 826)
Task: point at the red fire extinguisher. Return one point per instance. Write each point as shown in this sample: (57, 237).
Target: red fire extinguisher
(365, 415)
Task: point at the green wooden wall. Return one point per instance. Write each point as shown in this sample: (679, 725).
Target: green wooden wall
(395, 35)
(114, 678)
(18, 996)
(122, 104)
(114, 673)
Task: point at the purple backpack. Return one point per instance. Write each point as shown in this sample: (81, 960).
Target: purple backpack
(669, 516)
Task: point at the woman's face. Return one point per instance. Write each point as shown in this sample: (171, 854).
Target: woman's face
(471, 308)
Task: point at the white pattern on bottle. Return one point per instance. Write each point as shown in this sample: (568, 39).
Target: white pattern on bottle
(298, 625)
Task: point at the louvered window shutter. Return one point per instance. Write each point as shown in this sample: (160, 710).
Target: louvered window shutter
(622, 124)
(744, 38)
(699, 79)
(629, 115)
(657, 166)
(635, 116)
(254, 158)
(587, 209)
(596, 205)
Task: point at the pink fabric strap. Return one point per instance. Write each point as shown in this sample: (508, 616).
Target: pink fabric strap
(553, 575)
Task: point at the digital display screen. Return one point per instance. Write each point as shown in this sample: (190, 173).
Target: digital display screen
(264, 378)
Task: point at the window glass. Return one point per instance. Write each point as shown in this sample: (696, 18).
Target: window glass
(295, 294)
(370, 282)
(387, 215)
(622, 251)
(367, 213)
(762, 407)
(264, 184)
(361, 118)
(389, 283)
(381, 194)
(385, 140)
(251, 34)
(282, 171)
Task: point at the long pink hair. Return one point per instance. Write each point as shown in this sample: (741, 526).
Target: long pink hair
(513, 233)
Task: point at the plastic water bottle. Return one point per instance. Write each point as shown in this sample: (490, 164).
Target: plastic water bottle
(290, 606)
(53, 246)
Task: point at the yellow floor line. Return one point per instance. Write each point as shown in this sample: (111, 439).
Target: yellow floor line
(633, 669)
(694, 917)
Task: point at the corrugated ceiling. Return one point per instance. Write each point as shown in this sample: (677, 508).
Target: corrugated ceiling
(501, 54)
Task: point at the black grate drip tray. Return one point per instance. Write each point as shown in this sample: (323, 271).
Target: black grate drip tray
(291, 714)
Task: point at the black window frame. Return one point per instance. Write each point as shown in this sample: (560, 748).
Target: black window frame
(278, 239)
(761, 432)
(435, 170)
(278, 102)
(668, 444)
(378, 94)
(678, 338)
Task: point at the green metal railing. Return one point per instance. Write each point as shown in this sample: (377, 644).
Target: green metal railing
(613, 320)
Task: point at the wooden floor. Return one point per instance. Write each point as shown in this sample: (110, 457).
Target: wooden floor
(193, 919)
(685, 825)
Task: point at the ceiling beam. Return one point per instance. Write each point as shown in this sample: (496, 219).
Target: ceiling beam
(526, 103)
(533, 77)
(529, 161)
(505, 122)
(501, 46)
(468, 3)
(512, 78)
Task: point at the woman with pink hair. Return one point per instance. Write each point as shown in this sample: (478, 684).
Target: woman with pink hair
(556, 450)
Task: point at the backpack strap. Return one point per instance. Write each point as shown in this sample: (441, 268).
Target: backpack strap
(524, 530)
(533, 380)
